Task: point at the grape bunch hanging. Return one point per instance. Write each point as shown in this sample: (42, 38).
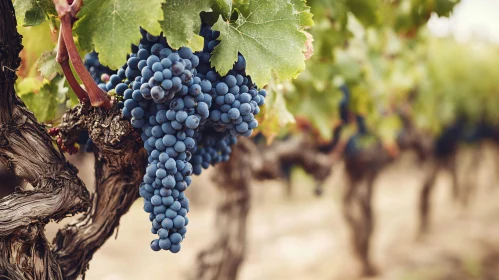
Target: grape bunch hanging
(189, 117)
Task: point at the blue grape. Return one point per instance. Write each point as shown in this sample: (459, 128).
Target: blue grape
(169, 140)
(175, 248)
(170, 213)
(222, 88)
(167, 223)
(179, 222)
(165, 243)
(179, 146)
(176, 238)
(157, 93)
(185, 53)
(181, 116)
(234, 113)
(155, 245)
(137, 113)
(163, 233)
(192, 122)
(156, 200)
(151, 60)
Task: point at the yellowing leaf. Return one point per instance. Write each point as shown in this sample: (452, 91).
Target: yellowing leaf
(276, 115)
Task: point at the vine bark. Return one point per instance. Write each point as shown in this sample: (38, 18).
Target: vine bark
(29, 153)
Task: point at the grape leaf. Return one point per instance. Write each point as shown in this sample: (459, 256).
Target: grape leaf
(196, 43)
(181, 20)
(269, 38)
(46, 102)
(33, 12)
(48, 66)
(111, 26)
(223, 7)
(303, 11)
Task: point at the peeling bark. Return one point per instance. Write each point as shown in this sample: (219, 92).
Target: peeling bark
(28, 152)
(120, 162)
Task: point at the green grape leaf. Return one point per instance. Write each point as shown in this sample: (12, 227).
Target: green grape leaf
(111, 26)
(48, 66)
(33, 12)
(45, 103)
(270, 38)
(181, 20)
(223, 7)
(196, 44)
(303, 11)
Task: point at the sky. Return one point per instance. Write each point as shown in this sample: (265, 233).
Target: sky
(471, 20)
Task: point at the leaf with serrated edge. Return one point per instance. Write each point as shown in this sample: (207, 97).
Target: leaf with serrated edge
(47, 65)
(181, 20)
(224, 7)
(33, 12)
(303, 12)
(111, 26)
(44, 104)
(269, 38)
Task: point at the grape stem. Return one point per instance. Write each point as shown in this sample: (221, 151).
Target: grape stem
(67, 14)
(63, 59)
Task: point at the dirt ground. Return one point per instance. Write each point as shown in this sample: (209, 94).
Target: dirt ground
(305, 237)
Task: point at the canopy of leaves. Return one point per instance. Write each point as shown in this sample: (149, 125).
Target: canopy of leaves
(269, 37)
(449, 90)
(110, 26)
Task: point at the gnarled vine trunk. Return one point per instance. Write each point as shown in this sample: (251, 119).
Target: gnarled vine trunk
(26, 149)
(29, 153)
(120, 162)
(362, 170)
(222, 259)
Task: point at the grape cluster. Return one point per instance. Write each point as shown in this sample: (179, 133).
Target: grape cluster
(164, 94)
(236, 98)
